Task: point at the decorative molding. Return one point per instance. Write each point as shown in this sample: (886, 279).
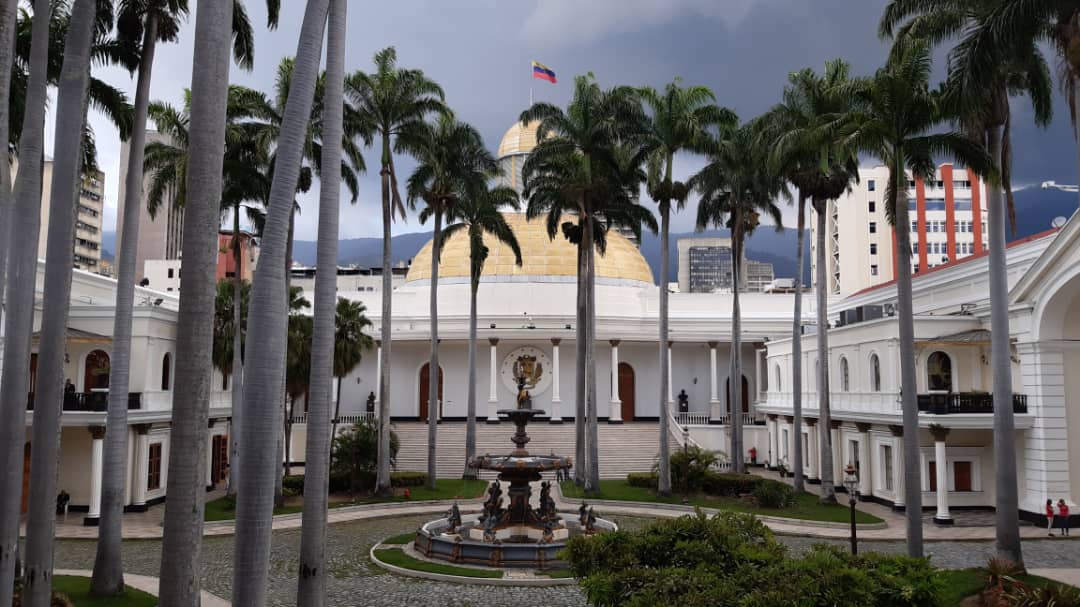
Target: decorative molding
(863, 427)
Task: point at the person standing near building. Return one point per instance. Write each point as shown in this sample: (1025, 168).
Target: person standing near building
(1050, 518)
(1063, 512)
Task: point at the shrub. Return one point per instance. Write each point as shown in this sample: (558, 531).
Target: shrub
(730, 485)
(408, 479)
(773, 494)
(1048, 596)
(293, 484)
(690, 467)
(649, 480)
(355, 457)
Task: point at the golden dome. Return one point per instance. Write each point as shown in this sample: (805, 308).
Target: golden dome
(519, 139)
(540, 257)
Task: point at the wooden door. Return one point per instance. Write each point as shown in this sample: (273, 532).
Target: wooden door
(745, 395)
(425, 378)
(962, 476)
(96, 373)
(219, 458)
(933, 476)
(626, 391)
(26, 478)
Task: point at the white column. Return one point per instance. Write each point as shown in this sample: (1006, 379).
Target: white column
(941, 465)
(837, 454)
(671, 379)
(493, 394)
(898, 467)
(556, 400)
(142, 454)
(96, 455)
(811, 446)
(757, 375)
(773, 424)
(378, 376)
(866, 467)
(615, 416)
(716, 407)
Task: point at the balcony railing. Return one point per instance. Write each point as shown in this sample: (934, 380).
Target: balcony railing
(966, 402)
(90, 402)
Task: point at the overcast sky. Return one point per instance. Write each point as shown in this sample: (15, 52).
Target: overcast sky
(480, 52)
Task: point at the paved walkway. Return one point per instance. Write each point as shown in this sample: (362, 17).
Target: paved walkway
(146, 584)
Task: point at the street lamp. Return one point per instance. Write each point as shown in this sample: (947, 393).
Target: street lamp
(851, 483)
(686, 462)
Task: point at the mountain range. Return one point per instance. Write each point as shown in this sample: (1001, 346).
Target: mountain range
(1035, 211)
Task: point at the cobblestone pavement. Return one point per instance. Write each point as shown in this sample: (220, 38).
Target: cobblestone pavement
(356, 582)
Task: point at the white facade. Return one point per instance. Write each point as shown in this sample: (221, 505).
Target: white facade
(954, 382)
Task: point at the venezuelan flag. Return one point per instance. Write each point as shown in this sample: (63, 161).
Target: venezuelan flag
(543, 72)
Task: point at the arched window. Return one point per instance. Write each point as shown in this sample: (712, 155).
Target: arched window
(875, 373)
(778, 384)
(166, 370)
(845, 375)
(939, 372)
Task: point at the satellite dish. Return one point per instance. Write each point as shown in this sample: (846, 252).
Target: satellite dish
(1058, 222)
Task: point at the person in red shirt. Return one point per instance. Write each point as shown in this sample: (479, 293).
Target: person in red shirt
(1063, 512)
(1050, 518)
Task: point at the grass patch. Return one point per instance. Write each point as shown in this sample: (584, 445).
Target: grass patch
(806, 505)
(556, 574)
(78, 590)
(393, 556)
(400, 540)
(223, 508)
(962, 583)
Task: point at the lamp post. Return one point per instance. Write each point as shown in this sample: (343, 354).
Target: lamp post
(686, 462)
(851, 483)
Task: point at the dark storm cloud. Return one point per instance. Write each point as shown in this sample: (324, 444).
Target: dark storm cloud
(480, 52)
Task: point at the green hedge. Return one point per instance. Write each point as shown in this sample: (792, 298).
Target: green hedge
(768, 493)
(293, 485)
(649, 480)
(408, 479)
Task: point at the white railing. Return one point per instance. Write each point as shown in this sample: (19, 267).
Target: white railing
(693, 418)
(355, 419)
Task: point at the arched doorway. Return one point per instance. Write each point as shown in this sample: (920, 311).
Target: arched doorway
(745, 394)
(425, 379)
(626, 391)
(939, 377)
(26, 478)
(96, 371)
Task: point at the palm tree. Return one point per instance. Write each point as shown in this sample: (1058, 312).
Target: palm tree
(350, 341)
(226, 326)
(19, 311)
(479, 213)
(297, 374)
(678, 121)
(85, 18)
(894, 112)
(267, 335)
(141, 23)
(312, 583)
(736, 186)
(203, 178)
(390, 100)
(451, 161)
(982, 100)
(574, 168)
(8, 10)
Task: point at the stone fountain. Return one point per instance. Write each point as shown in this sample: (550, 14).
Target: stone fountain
(517, 535)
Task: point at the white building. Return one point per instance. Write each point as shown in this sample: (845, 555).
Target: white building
(948, 223)
(954, 382)
(161, 234)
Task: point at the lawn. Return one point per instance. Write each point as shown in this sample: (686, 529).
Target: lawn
(806, 505)
(78, 590)
(962, 583)
(222, 509)
(400, 540)
(393, 556)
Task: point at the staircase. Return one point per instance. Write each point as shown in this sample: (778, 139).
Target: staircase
(625, 448)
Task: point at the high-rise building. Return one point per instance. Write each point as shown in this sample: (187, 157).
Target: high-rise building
(88, 216)
(705, 265)
(759, 275)
(161, 233)
(948, 222)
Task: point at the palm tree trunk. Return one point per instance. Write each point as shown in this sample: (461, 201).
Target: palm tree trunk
(664, 462)
(735, 382)
(19, 310)
(825, 472)
(66, 178)
(592, 482)
(283, 447)
(7, 47)
(382, 477)
(470, 424)
(108, 577)
(1006, 503)
(909, 402)
(311, 588)
(796, 359)
(288, 450)
(267, 313)
(581, 468)
(236, 383)
(433, 363)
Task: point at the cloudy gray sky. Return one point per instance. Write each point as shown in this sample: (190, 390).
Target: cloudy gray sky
(480, 50)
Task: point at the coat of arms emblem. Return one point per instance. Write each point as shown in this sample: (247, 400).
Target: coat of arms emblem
(530, 370)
